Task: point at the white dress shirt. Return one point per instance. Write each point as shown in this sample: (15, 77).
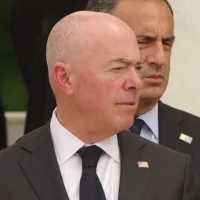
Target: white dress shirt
(108, 169)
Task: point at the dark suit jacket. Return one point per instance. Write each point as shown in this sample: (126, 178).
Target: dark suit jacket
(29, 170)
(173, 122)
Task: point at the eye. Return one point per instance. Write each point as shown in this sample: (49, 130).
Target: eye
(139, 67)
(144, 41)
(168, 44)
(118, 68)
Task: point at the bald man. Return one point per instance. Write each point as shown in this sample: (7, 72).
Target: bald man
(83, 153)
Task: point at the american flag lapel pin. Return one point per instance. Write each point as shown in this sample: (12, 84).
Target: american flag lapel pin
(143, 164)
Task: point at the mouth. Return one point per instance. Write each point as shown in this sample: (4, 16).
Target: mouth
(155, 78)
(128, 104)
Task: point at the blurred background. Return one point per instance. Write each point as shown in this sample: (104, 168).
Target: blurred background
(14, 94)
(184, 87)
(24, 28)
(12, 88)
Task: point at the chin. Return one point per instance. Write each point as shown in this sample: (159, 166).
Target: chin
(151, 94)
(150, 98)
(125, 124)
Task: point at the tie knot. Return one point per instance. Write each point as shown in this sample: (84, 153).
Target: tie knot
(90, 155)
(137, 126)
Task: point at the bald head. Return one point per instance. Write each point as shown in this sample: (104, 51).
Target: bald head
(92, 59)
(73, 37)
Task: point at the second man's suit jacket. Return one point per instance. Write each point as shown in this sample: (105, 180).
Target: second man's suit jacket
(29, 170)
(172, 123)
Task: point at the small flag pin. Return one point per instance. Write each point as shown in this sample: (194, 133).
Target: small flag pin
(143, 164)
(185, 138)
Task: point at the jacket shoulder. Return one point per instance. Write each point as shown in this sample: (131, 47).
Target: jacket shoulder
(174, 112)
(13, 152)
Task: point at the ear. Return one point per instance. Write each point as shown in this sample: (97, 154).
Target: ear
(61, 74)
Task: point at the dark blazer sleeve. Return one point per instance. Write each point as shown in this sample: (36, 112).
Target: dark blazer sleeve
(2, 191)
(191, 187)
(2, 127)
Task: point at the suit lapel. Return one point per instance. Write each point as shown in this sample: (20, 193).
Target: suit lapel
(40, 166)
(133, 180)
(169, 127)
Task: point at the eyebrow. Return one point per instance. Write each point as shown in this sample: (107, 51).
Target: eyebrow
(170, 38)
(140, 62)
(127, 62)
(148, 37)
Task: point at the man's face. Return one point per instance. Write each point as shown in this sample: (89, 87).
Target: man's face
(108, 86)
(153, 25)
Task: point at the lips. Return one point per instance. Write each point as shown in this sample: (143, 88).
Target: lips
(127, 103)
(155, 76)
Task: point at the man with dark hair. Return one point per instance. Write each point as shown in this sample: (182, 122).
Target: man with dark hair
(108, 6)
(153, 23)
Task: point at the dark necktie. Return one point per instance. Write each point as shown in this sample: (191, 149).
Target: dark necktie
(90, 186)
(137, 126)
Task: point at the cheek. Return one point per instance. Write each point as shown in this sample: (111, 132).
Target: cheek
(144, 53)
(167, 58)
(166, 72)
(105, 96)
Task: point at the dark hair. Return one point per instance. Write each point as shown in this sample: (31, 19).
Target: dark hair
(107, 6)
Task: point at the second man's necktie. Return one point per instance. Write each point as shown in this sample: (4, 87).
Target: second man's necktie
(137, 126)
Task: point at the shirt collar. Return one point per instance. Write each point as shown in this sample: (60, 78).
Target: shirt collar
(111, 147)
(66, 144)
(151, 119)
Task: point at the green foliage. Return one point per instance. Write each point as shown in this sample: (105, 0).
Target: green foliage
(12, 88)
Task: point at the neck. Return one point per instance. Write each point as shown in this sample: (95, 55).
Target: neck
(83, 129)
(144, 106)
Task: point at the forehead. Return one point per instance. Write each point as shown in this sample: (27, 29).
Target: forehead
(118, 52)
(146, 16)
(125, 49)
(112, 45)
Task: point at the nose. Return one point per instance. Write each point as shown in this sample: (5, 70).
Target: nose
(133, 81)
(156, 55)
